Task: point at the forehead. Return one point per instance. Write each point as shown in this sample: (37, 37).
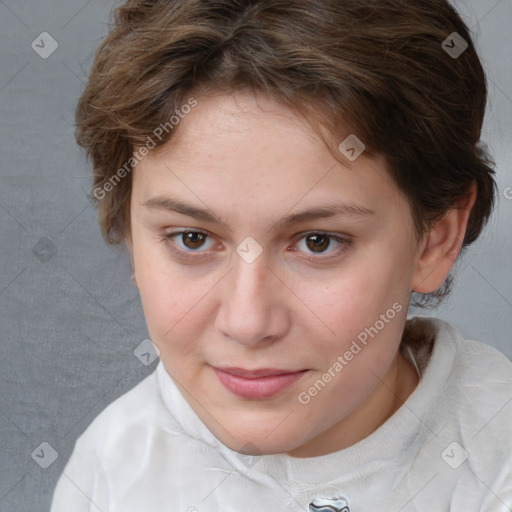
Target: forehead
(243, 152)
(237, 126)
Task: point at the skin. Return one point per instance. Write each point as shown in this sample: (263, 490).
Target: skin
(250, 161)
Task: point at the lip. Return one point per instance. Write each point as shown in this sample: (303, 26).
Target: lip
(257, 384)
(253, 374)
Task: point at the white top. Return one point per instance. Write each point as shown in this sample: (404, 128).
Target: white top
(449, 447)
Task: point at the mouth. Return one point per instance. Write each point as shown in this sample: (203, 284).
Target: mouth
(257, 384)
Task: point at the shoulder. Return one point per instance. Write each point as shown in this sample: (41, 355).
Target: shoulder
(466, 394)
(482, 378)
(140, 408)
(478, 366)
(473, 404)
(466, 384)
(139, 418)
(437, 344)
(112, 441)
(475, 373)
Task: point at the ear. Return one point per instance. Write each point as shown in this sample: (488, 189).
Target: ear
(441, 246)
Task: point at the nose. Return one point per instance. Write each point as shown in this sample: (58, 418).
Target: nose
(253, 308)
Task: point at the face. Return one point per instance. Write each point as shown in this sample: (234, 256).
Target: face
(275, 278)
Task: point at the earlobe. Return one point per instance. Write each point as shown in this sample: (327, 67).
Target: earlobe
(442, 244)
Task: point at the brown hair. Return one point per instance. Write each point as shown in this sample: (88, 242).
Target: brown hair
(375, 68)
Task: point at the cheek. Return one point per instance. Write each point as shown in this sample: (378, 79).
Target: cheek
(165, 297)
(173, 300)
(365, 302)
(355, 296)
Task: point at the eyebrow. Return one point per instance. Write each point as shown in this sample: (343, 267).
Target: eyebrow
(326, 211)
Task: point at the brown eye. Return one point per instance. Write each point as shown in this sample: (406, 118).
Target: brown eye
(193, 239)
(189, 241)
(318, 242)
(324, 245)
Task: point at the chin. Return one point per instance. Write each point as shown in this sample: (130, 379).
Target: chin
(259, 443)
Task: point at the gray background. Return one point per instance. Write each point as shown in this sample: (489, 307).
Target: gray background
(70, 316)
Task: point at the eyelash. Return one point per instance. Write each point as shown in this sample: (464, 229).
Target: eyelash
(188, 255)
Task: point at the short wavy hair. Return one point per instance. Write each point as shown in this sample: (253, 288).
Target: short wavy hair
(381, 69)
